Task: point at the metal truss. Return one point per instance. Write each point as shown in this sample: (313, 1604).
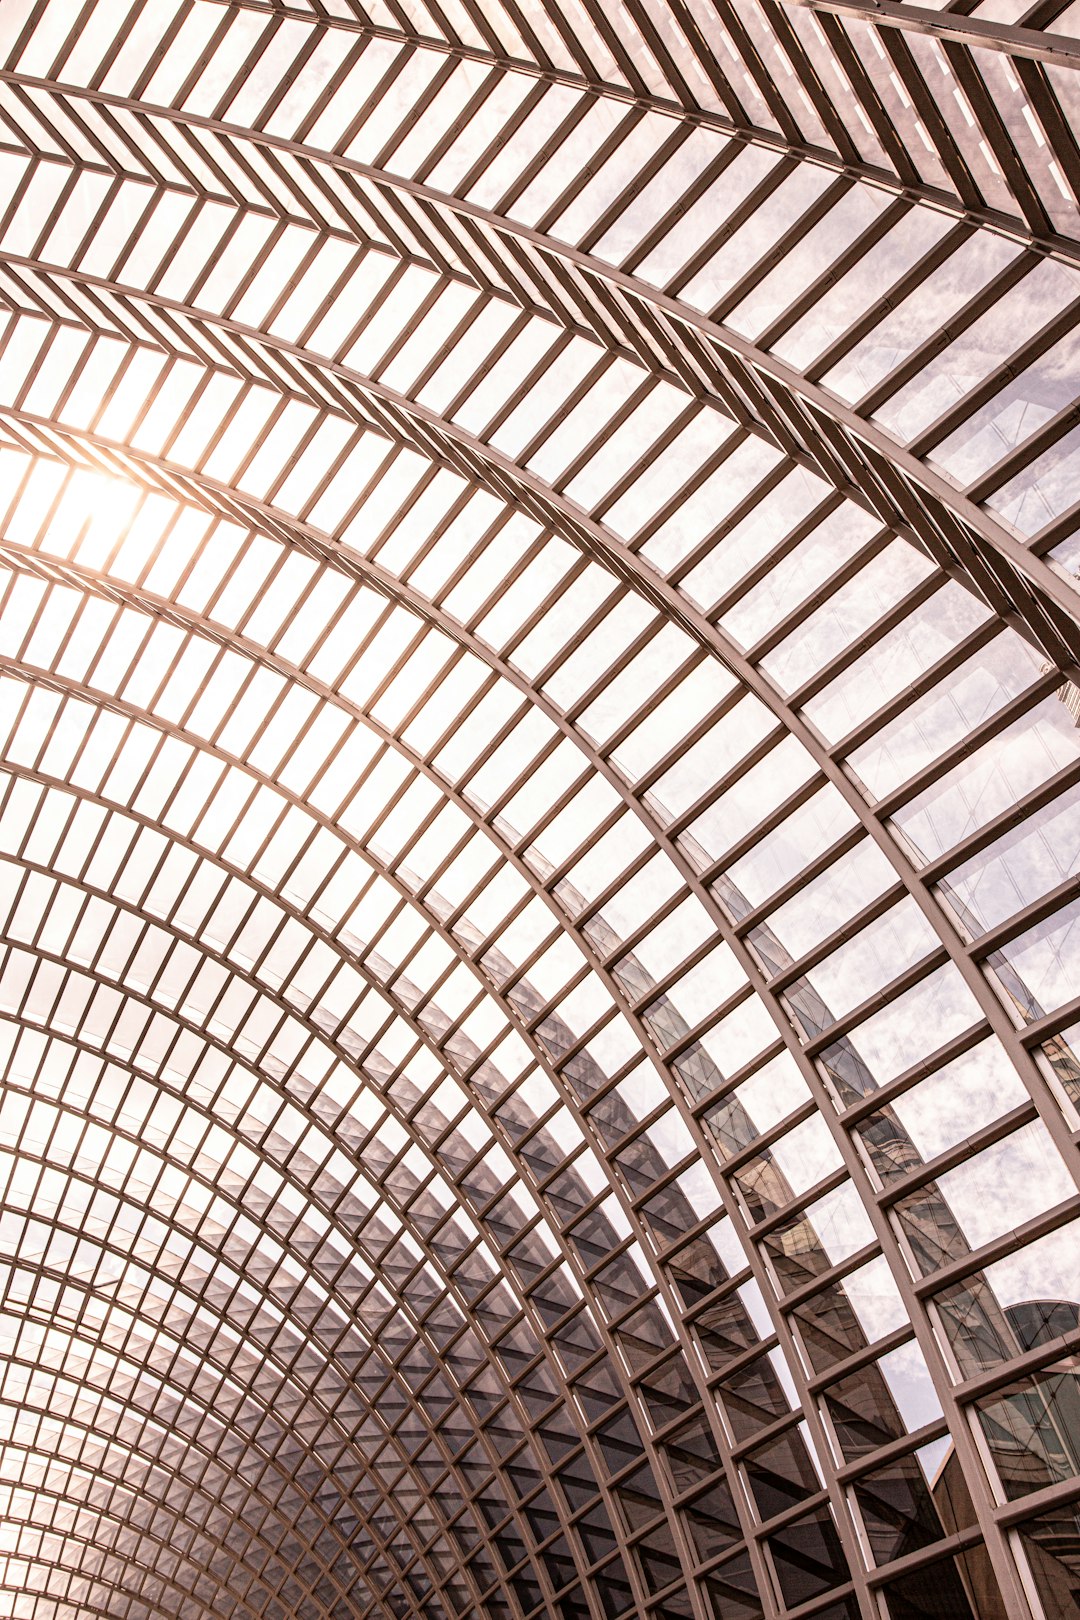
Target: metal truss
(539, 786)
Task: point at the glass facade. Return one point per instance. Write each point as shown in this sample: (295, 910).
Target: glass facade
(539, 810)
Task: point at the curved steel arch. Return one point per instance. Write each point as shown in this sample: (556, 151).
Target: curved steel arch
(512, 1014)
(855, 1168)
(824, 1150)
(887, 456)
(1058, 50)
(402, 1305)
(902, 490)
(179, 1587)
(594, 540)
(270, 1460)
(424, 1034)
(750, 1251)
(312, 1199)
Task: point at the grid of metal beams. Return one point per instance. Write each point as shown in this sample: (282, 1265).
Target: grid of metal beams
(539, 810)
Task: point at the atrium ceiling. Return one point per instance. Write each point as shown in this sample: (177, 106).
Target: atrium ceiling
(539, 810)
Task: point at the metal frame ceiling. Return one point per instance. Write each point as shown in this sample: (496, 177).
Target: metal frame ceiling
(539, 788)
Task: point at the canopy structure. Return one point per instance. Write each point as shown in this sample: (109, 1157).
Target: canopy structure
(539, 810)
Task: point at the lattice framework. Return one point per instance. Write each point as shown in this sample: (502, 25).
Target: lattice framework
(537, 810)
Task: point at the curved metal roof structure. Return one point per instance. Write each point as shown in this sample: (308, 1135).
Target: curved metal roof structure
(539, 810)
